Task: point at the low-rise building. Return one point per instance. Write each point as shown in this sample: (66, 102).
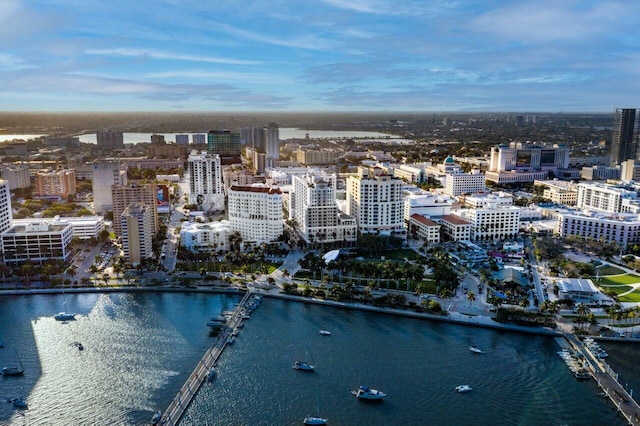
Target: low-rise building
(455, 228)
(622, 228)
(578, 290)
(424, 228)
(206, 237)
(36, 241)
(83, 227)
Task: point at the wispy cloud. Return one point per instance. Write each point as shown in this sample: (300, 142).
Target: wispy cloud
(549, 21)
(156, 54)
(261, 78)
(302, 41)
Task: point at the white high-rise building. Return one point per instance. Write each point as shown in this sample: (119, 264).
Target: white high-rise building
(464, 183)
(106, 173)
(272, 146)
(6, 216)
(602, 197)
(374, 198)
(314, 207)
(17, 176)
(256, 212)
(205, 185)
(492, 222)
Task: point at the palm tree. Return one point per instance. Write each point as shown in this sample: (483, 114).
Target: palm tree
(583, 312)
(71, 271)
(471, 297)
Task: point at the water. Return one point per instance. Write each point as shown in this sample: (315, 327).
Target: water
(5, 138)
(141, 347)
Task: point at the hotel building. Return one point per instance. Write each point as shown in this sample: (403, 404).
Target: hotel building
(256, 212)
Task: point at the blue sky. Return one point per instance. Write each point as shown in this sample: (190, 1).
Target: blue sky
(319, 55)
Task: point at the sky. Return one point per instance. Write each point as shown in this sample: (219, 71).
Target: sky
(319, 55)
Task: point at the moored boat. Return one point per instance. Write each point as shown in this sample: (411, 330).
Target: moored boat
(475, 350)
(303, 366)
(19, 402)
(365, 392)
(311, 420)
(156, 417)
(211, 374)
(64, 316)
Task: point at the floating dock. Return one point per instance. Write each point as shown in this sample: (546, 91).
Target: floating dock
(176, 409)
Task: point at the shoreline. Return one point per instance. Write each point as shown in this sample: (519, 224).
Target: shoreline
(452, 318)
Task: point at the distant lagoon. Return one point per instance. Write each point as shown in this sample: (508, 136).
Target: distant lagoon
(285, 134)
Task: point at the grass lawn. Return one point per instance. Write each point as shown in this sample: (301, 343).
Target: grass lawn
(401, 254)
(631, 297)
(610, 270)
(617, 280)
(618, 289)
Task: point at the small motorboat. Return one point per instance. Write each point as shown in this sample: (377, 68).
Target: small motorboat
(19, 402)
(325, 332)
(156, 417)
(365, 392)
(475, 350)
(64, 316)
(12, 371)
(310, 420)
(211, 375)
(302, 366)
(463, 388)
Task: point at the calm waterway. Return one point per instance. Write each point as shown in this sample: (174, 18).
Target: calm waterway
(139, 349)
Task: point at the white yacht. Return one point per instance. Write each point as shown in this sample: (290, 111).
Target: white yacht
(302, 366)
(325, 332)
(365, 392)
(463, 388)
(310, 420)
(475, 350)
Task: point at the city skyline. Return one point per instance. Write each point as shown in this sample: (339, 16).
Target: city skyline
(330, 55)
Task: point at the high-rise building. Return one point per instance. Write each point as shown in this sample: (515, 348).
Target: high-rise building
(182, 139)
(17, 176)
(258, 139)
(136, 223)
(272, 145)
(624, 142)
(109, 139)
(157, 139)
(314, 207)
(105, 174)
(205, 181)
(256, 213)
(6, 216)
(198, 139)
(123, 196)
(55, 183)
(374, 198)
(226, 144)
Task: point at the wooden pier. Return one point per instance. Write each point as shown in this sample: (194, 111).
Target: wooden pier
(608, 383)
(172, 415)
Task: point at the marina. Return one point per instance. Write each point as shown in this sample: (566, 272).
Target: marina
(588, 362)
(205, 369)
